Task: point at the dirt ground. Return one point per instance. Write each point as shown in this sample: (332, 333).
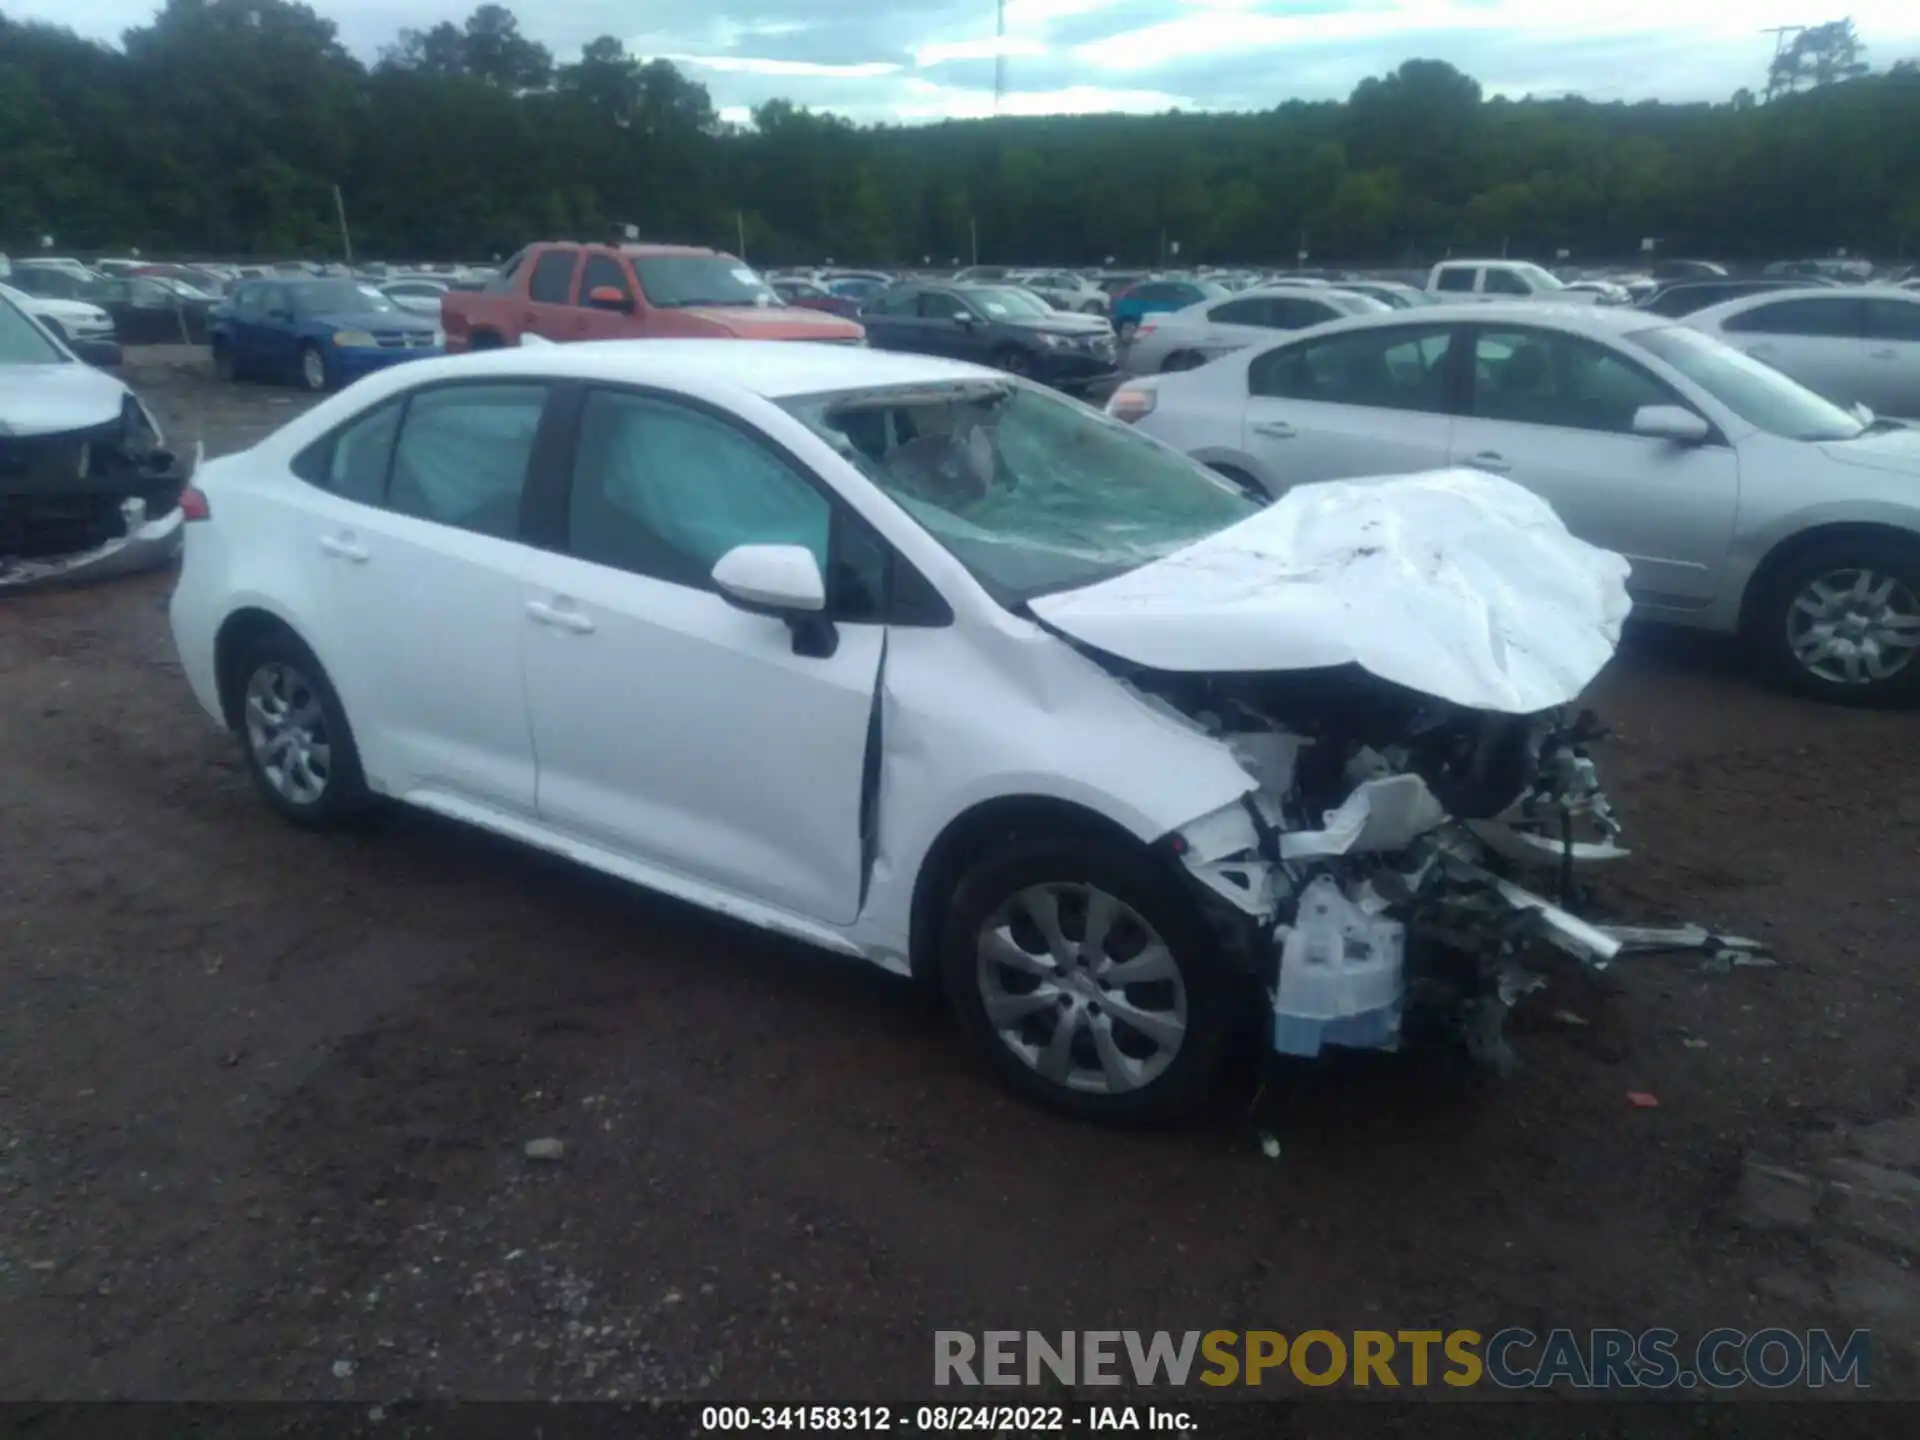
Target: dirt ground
(264, 1095)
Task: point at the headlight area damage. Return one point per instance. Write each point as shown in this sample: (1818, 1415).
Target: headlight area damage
(96, 499)
(1421, 782)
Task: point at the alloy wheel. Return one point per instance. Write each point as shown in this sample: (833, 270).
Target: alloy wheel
(1854, 627)
(1081, 988)
(287, 733)
(313, 369)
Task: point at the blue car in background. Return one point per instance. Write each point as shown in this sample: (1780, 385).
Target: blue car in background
(318, 334)
(1150, 297)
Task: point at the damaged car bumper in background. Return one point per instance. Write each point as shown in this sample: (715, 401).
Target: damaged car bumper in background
(1395, 665)
(88, 502)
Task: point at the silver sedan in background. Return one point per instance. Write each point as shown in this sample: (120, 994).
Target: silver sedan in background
(1745, 502)
(1185, 339)
(1856, 344)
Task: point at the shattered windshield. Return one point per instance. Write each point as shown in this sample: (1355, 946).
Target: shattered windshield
(21, 341)
(1031, 492)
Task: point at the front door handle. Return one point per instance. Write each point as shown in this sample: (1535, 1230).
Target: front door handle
(1278, 429)
(1488, 460)
(573, 620)
(344, 547)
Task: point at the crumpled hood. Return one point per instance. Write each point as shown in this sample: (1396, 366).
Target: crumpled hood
(1895, 450)
(46, 399)
(775, 322)
(1454, 583)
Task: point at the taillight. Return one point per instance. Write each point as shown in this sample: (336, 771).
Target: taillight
(193, 505)
(1145, 327)
(1131, 403)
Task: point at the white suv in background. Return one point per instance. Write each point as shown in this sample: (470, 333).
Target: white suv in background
(1502, 280)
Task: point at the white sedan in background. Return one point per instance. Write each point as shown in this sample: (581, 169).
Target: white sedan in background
(924, 664)
(418, 294)
(1185, 339)
(1745, 502)
(1854, 344)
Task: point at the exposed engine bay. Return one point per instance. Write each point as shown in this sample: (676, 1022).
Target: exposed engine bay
(1410, 861)
(95, 499)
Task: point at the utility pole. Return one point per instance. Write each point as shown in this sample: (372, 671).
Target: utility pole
(1000, 58)
(340, 209)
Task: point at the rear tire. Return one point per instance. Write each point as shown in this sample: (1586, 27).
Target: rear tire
(485, 340)
(1123, 331)
(294, 734)
(1831, 617)
(1182, 360)
(1053, 1024)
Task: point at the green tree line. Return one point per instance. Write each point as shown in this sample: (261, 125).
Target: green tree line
(223, 127)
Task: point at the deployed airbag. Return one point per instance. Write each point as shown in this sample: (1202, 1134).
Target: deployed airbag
(1455, 583)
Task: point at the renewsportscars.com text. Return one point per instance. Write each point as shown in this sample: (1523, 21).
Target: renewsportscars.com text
(1510, 1359)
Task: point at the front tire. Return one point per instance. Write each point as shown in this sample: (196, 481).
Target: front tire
(1014, 361)
(1087, 980)
(314, 376)
(294, 734)
(1841, 623)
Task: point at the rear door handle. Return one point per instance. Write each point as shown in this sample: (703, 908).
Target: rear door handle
(1278, 429)
(544, 614)
(344, 547)
(1488, 460)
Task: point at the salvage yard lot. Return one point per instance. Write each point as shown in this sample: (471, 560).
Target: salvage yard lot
(264, 1095)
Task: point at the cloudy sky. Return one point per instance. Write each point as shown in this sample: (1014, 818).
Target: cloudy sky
(913, 60)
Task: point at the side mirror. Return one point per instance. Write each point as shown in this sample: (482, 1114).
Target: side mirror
(1670, 422)
(966, 321)
(782, 581)
(610, 297)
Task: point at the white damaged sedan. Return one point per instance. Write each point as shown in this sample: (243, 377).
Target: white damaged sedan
(923, 664)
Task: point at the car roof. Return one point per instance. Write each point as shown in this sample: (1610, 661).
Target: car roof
(772, 369)
(1754, 299)
(1544, 314)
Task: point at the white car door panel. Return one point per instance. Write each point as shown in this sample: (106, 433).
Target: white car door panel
(427, 619)
(1366, 402)
(670, 725)
(1554, 412)
(684, 732)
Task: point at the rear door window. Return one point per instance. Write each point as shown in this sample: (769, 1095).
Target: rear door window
(1893, 320)
(1392, 369)
(552, 281)
(462, 455)
(1839, 317)
(1459, 279)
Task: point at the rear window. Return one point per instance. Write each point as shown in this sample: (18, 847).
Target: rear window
(1455, 280)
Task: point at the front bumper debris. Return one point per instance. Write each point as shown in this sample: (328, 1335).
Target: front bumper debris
(1394, 919)
(90, 503)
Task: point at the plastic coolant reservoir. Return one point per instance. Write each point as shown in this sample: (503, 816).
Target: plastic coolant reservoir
(1341, 976)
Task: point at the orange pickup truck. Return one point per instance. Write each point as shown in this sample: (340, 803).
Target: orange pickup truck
(562, 292)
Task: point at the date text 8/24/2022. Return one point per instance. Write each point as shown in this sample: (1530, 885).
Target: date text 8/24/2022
(941, 1419)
